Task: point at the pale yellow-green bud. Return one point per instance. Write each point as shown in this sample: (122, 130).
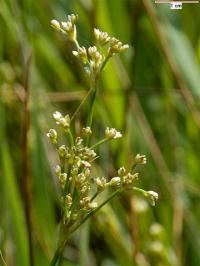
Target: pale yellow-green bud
(55, 24)
(85, 164)
(57, 170)
(68, 200)
(140, 159)
(101, 183)
(72, 18)
(112, 133)
(86, 132)
(93, 205)
(67, 26)
(52, 135)
(115, 181)
(152, 195)
(81, 53)
(121, 171)
(129, 178)
(116, 46)
(63, 178)
(102, 37)
(62, 121)
(78, 141)
(62, 151)
(92, 51)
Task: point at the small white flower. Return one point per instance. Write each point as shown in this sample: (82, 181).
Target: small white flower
(140, 159)
(102, 37)
(86, 164)
(52, 134)
(57, 170)
(86, 132)
(55, 24)
(122, 171)
(60, 120)
(62, 151)
(112, 133)
(57, 115)
(153, 196)
(93, 205)
(115, 181)
(101, 183)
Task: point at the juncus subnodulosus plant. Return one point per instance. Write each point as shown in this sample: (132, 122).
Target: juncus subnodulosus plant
(79, 188)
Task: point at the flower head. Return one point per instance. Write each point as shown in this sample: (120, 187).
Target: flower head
(61, 120)
(52, 134)
(112, 133)
(140, 159)
(102, 37)
(153, 196)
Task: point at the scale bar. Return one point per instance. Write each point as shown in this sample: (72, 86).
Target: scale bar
(169, 2)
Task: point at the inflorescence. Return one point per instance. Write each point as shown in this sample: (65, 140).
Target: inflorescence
(78, 184)
(93, 58)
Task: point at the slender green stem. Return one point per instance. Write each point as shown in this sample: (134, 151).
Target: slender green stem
(95, 195)
(98, 143)
(105, 62)
(55, 258)
(1, 256)
(71, 139)
(133, 167)
(91, 109)
(82, 102)
(95, 210)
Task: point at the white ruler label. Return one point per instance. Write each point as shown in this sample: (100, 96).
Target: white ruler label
(176, 5)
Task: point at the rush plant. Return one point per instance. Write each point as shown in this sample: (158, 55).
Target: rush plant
(79, 187)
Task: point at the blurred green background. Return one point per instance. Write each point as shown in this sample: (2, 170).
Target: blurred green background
(151, 93)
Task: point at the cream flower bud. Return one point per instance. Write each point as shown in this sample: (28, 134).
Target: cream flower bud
(62, 121)
(140, 159)
(115, 181)
(121, 171)
(68, 200)
(55, 24)
(93, 205)
(52, 134)
(102, 37)
(85, 164)
(153, 196)
(72, 18)
(67, 26)
(57, 115)
(62, 151)
(92, 51)
(86, 132)
(63, 178)
(101, 183)
(112, 133)
(129, 178)
(116, 46)
(57, 170)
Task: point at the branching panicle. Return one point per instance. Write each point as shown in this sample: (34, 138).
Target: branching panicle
(79, 186)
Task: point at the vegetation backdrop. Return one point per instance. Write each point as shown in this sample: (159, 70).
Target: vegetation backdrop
(151, 93)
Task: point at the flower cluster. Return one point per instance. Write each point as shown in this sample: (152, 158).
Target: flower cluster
(68, 28)
(79, 188)
(93, 58)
